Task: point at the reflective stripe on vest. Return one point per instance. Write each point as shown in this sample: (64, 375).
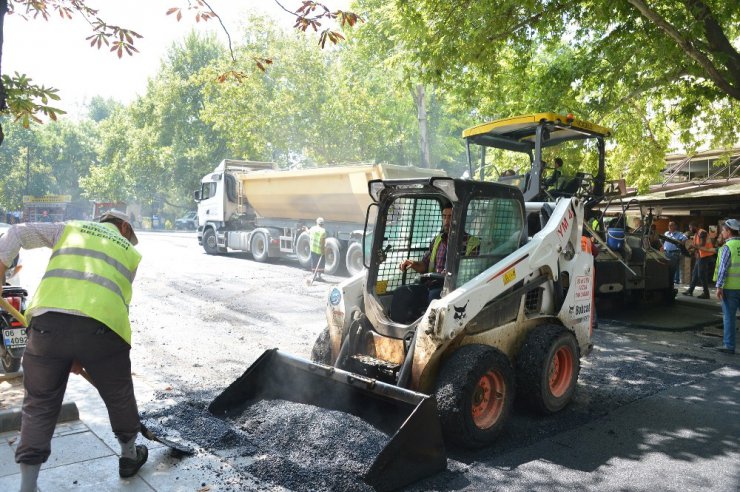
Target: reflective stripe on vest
(473, 242)
(90, 272)
(316, 234)
(732, 279)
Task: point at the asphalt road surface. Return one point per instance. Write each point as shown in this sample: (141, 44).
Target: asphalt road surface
(653, 409)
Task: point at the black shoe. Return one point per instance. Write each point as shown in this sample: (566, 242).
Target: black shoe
(703, 296)
(127, 467)
(688, 293)
(725, 350)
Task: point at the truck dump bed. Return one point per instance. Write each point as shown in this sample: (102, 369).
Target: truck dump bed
(338, 194)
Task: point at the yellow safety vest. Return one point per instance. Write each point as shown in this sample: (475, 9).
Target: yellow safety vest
(317, 233)
(732, 281)
(473, 243)
(90, 272)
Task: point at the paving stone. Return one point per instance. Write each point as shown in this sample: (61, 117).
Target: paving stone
(95, 475)
(8, 465)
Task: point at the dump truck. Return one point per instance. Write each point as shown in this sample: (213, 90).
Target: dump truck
(441, 354)
(254, 207)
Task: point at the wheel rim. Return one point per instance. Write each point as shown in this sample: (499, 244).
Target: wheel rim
(561, 371)
(211, 241)
(354, 261)
(259, 244)
(488, 399)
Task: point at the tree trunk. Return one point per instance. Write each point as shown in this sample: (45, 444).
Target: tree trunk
(3, 94)
(420, 100)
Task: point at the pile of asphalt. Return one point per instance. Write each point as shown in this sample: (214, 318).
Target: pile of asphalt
(310, 448)
(293, 445)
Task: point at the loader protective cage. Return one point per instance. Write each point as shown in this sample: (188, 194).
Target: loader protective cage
(490, 216)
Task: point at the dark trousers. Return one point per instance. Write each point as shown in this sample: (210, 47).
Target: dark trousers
(54, 341)
(700, 274)
(317, 260)
(674, 262)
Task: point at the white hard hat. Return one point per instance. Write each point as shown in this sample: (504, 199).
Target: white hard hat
(320, 221)
(733, 224)
(114, 214)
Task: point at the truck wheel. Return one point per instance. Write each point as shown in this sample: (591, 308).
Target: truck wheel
(354, 259)
(10, 364)
(303, 249)
(475, 391)
(332, 256)
(210, 242)
(547, 368)
(321, 351)
(259, 247)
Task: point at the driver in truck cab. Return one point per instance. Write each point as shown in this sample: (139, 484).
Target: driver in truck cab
(435, 259)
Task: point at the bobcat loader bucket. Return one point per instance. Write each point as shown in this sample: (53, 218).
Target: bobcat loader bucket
(414, 448)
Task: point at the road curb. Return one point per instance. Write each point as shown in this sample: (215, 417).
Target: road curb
(10, 420)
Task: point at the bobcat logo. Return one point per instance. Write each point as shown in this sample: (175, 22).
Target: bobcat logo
(460, 311)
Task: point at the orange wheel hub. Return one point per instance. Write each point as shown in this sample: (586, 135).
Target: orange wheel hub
(489, 396)
(560, 372)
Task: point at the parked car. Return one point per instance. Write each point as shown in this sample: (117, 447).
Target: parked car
(189, 221)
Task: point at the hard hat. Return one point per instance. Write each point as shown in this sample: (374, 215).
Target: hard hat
(320, 221)
(733, 224)
(114, 214)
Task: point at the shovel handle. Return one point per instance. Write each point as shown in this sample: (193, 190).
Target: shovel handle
(13, 311)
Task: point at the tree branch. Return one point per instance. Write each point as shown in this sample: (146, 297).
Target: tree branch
(711, 71)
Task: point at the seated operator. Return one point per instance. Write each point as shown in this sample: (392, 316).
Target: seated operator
(435, 259)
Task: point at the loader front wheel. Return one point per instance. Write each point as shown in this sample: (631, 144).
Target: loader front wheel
(475, 391)
(321, 351)
(547, 368)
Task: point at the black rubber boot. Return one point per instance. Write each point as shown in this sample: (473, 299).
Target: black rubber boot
(127, 467)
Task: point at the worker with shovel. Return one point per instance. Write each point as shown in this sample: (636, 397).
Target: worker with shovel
(317, 234)
(78, 318)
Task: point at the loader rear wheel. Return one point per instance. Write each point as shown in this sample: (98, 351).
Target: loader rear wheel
(475, 391)
(321, 351)
(303, 249)
(259, 247)
(547, 368)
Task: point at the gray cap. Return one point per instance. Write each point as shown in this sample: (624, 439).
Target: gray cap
(733, 224)
(320, 221)
(114, 214)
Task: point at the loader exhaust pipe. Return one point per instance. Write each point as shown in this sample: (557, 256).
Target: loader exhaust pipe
(415, 447)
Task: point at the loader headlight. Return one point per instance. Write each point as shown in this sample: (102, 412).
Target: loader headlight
(335, 296)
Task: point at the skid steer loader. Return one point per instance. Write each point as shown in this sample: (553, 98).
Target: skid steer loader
(513, 311)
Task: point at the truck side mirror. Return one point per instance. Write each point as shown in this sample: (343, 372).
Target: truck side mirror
(196, 195)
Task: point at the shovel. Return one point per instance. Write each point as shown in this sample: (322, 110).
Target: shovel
(309, 282)
(181, 448)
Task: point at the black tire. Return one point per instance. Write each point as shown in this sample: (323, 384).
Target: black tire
(10, 364)
(469, 418)
(353, 261)
(332, 256)
(303, 249)
(210, 242)
(259, 247)
(547, 368)
(321, 351)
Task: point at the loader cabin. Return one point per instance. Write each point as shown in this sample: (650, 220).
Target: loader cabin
(487, 225)
(519, 142)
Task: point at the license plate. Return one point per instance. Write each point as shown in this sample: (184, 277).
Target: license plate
(15, 337)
